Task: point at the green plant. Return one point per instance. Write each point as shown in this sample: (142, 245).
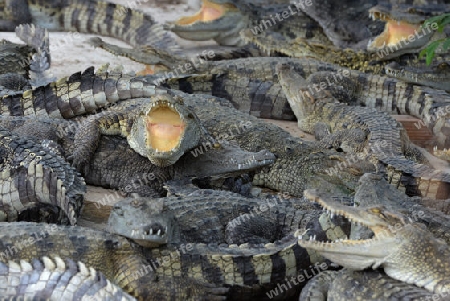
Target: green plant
(430, 50)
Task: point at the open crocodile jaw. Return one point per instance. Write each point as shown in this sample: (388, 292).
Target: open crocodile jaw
(355, 254)
(165, 128)
(208, 23)
(396, 38)
(164, 131)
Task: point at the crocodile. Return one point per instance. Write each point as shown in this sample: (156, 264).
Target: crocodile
(361, 285)
(405, 31)
(56, 279)
(162, 130)
(372, 191)
(260, 93)
(406, 251)
(24, 66)
(114, 256)
(436, 76)
(297, 164)
(87, 16)
(325, 112)
(221, 20)
(246, 242)
(116, 165)
(252, 85)
(84, 93)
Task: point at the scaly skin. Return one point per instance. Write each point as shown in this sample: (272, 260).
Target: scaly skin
(55, 278)
(116, 165)
(435, 76)
(76, 95)
(252, 86)
(360, 285)
(358, 129)
(87, 16)
(112, 255)
(231, 240)
(222, 20)
(406, 251)
(23, 66)
(33, 176)
(374, 190)
(300, 48)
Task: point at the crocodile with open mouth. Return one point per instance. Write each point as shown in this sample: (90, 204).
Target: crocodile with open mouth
(222, 20)
(162, 130)
(241, 243)
(406, 251)
(403, 32)
(117, 258)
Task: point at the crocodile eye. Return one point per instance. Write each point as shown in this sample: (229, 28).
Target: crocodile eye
(179, 99)
(190, 116)
(443, 66)
(376, 211)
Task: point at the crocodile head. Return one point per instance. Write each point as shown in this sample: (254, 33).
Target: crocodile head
(407, 251)
(303, 95)
(220, 20)
(224, 160)
(435, 76)
(403, 32)
(149, 230)
(164, 130)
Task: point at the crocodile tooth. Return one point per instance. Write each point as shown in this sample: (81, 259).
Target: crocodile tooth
(159, 232)
(331, 215)
(151, 231)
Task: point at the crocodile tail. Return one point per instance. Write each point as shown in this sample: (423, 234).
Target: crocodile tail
(78, 94)
(37, 38)
(104, 18)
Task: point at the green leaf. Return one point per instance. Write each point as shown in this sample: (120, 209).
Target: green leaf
(446, 44)
(444, 22)
(430, 51)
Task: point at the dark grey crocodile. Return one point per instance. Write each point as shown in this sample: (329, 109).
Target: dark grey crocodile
(116, 165)
(112, 255)
(436, 76)
(355, 129)
(247, 244)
